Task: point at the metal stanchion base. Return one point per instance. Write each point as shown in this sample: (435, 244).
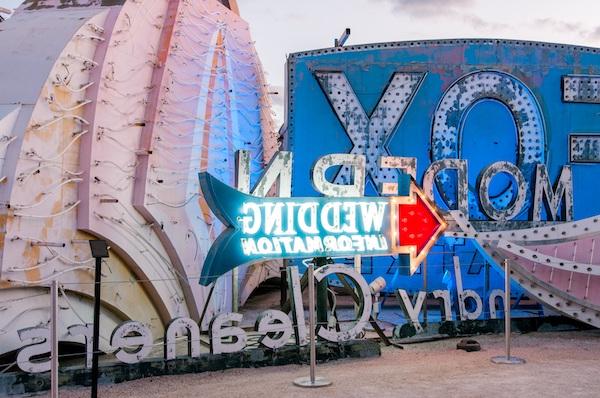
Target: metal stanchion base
(305, 382)
(504, 360)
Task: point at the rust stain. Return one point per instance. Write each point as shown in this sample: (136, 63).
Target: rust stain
(3, 228)
(62, 95)
(31, 255)
(56, 208)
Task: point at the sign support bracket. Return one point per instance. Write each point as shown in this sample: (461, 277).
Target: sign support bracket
(372, 321)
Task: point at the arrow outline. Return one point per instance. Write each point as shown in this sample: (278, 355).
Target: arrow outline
(211, 185)
(411, 250)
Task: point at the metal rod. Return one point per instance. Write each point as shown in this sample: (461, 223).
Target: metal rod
(322, 300)
(235, 290)
(507, 359)
(205, 307)
(487, 279)
(96, 337)
(357, 268)
(109, 200)
(507, 308)
(54, 340)
(48, 244)
(424, 265)
(342, 40)
(283, 286)
(311, 321)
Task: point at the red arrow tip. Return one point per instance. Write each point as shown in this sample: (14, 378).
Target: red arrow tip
(417, 224)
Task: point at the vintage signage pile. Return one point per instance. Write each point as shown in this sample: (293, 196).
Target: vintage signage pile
(340, 225)
(133, 341)
(258, 229)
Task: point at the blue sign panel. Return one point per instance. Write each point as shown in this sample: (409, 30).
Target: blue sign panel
(506, 132)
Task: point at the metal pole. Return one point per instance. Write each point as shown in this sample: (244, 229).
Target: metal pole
(424, 265)
(358, 269)
(235, 290)
(507, 330)
(312, 380)
(322, 295)
(487, 279)
(96, 337)
(507, 359)
(210, 293)
(311, 322)
(283, 286)
(54, 340)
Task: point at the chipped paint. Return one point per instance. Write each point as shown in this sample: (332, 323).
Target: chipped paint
(72, 166)
(369, 133)
(581, 88)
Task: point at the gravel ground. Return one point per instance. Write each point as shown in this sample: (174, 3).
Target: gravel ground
(565, 364)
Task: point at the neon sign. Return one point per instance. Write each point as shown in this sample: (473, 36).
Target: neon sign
(494, 187)
(286, 228)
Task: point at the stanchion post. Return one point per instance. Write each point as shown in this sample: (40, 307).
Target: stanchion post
(54, 340)
(507, 359)
(311, 312)
(507, 305)
(312, 381)
(99, 251)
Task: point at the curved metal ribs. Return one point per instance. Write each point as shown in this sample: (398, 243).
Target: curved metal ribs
(558, 264)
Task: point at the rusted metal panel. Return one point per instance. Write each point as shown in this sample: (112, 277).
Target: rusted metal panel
(86, 76)
(487, 128)
(355, 167)
(581, 88)
(369, 133)
(584, 148)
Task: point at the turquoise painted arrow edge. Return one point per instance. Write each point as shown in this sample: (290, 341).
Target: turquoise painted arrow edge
(224, 254)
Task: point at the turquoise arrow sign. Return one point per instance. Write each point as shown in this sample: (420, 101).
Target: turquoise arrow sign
(259, 229)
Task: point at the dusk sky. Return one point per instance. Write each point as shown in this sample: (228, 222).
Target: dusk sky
(286, 26)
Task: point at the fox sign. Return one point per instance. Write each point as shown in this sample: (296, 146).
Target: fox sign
(259, 228)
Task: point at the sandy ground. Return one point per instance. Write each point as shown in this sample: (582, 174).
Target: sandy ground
(565, 364)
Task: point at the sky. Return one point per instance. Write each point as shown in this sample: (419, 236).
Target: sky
(281, 27)
(285, 26)
(10, 3)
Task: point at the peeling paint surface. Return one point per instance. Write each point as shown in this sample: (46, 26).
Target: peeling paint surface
(116, 99)
(503, 134)
(579, 88)
(584, 148)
